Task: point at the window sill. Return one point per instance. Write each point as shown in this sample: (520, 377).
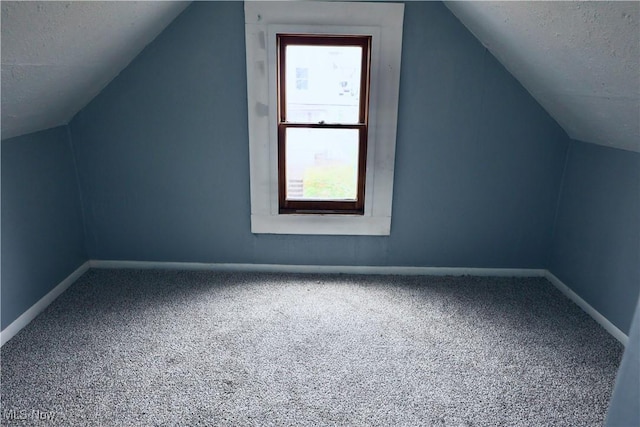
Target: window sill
(345, 225)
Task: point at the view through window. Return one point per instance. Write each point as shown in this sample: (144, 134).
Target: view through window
(323, 84)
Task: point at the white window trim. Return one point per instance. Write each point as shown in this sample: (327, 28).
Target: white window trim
(262, 21)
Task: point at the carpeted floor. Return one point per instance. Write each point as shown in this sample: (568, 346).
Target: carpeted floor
(168, 348)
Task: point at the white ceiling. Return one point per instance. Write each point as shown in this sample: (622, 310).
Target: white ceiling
(57, 56)
(579, 60)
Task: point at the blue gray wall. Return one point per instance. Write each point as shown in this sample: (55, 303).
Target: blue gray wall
(624, 408)
(164, 162)
(42, 229)
(163, 166)
(596, 246)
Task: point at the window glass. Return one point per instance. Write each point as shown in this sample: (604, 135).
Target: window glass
(323, 83)
(322, 164)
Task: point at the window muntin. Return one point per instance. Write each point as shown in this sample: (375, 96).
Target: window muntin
(323, 123)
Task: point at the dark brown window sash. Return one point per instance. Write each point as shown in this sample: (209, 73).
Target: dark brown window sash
(323, 206)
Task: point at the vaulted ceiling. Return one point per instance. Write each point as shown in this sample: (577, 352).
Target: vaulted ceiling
(579, 60)
(57, 56)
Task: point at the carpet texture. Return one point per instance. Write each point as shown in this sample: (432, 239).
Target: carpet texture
(169, 348)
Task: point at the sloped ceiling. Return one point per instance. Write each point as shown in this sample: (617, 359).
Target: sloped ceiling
(57, 56)
(579, 60)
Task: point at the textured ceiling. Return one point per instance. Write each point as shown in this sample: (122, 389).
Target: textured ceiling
(57, 56)
(579, 60)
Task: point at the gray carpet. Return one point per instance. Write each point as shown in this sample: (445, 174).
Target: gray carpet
(127, 348)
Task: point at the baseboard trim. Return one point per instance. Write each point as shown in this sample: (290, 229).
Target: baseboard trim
(344, 269)
(603, 321)
(396, 270)
(37, 308)
(26, 317)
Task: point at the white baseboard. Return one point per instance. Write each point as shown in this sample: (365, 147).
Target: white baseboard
(399, 270)
(345, 269)
(37, 308)
(603, 321)
(22, 321)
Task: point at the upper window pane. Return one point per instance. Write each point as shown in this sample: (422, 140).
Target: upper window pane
(323, 84)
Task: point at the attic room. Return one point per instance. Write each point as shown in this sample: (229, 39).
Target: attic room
(150, 274)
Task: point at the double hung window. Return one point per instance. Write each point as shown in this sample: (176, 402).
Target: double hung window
(323, 106)
(322, 102)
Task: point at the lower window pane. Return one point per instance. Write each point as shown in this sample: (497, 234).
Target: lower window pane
(321, 164)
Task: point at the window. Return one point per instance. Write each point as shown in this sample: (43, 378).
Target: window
(302, 78)
(322, 131)
(322, 91)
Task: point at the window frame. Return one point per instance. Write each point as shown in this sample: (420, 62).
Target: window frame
(384, 22)
(323, 206)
